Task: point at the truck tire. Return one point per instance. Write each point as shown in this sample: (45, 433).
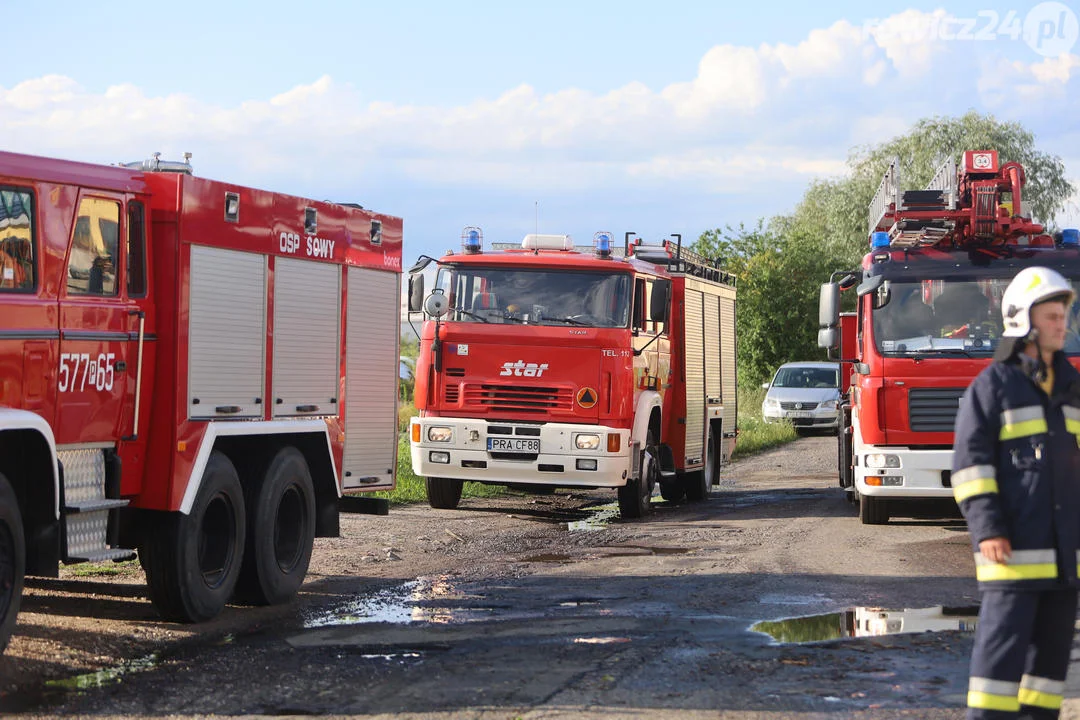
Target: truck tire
(281, 532)
(443, 493)
(12, 560)
(699, 483)
(635, 497)
(872, 510)
(673, 491)
(193, 561)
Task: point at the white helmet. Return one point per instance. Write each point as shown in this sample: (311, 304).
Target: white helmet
(1030, 287)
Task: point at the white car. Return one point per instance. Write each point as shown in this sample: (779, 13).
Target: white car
(805, 394)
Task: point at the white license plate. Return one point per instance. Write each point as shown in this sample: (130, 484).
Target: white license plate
(800, 414)
(521, 445)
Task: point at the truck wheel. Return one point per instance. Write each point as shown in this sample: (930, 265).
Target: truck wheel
(193, 561)
(699, 483)
(281, 532)
(635, 496)
(672, 491)
(872, 510)
(12, 560)
(443, 493)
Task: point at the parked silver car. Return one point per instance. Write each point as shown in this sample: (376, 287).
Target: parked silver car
(805, 394)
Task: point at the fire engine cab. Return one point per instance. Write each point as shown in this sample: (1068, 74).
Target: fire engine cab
(927, 321)
(191, 369)
(549, 366)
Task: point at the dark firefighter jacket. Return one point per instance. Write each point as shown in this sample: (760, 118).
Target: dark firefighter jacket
(1016, 473)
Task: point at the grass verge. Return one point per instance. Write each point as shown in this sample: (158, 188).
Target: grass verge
(410, 488)
(756, 435)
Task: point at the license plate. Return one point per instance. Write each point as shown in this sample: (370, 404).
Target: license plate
(800, 414)
(520, 445)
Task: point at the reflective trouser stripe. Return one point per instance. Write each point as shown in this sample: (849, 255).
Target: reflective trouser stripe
(986, 701)
(1022, 422)
(1041, 692)
(974, 480)
(987, 694)
(1023, 565)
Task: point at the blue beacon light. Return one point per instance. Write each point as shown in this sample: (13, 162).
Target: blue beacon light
(879, 239)
(1070, 237)
(602, 243)
(471, 240)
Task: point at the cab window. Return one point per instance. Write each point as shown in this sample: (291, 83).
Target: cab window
(92, 261)
(17, 257)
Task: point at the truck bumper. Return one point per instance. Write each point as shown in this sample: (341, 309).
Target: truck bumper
(921, 473)
(559, 462)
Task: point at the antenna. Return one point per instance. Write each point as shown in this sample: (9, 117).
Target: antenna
(536, 210)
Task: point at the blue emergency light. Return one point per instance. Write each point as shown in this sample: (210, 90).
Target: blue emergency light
(879, 239)
(1070, 237)
(602, 243)
(471, 240)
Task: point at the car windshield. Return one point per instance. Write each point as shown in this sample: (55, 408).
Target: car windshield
(536, 297)
(947, 316)
(806, 377)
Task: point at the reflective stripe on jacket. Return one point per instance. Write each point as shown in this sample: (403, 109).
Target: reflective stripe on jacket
(1016, 474)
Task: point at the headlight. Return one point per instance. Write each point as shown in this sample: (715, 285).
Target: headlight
(771, 402)
(828, 405)
(879, 460)
(437, 433)
(587, 441)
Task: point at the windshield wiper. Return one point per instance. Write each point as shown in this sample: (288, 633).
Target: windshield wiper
(568, 320)
(463, 311)
(937, 352)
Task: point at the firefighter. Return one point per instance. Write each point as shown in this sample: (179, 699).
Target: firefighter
(1015, 475)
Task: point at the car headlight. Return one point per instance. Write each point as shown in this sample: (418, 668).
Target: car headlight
(828, 405)
(438, 433)
(771, 403)
(587, 441)
(880, 460)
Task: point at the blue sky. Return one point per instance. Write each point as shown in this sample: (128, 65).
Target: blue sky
(651, 117)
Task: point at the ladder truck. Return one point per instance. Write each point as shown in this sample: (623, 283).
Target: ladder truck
(927, 319)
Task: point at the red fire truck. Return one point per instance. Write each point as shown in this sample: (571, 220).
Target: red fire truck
(181, 358)
(927, 320)
(543, 367)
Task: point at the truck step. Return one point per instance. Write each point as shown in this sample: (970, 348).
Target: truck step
(105, 555)
(667, 474)
(87, 506)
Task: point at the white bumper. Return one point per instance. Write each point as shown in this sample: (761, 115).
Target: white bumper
(557, 463)
(920, 472)
(818, 418)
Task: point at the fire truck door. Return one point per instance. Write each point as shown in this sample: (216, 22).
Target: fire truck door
(98, 329)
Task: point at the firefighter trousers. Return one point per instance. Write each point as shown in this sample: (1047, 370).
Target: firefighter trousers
(1021, 654)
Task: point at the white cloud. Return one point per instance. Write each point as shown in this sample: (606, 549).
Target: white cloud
(750, 117)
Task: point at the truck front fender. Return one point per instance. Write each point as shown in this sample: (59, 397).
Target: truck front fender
(647, 402)
(24, 420)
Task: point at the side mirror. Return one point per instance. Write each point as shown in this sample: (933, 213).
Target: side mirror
(764, 386)
(658, 302)
(828, 338)
(436, 305)
(829, 306)
(416, 293)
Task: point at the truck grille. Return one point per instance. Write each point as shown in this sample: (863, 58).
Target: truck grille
(933, 409)
(521, 399)
(801, 405)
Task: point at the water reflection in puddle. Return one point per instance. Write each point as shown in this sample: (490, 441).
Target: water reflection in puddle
(426, 599)
(600, 517)
(106, 676)
(868, 622)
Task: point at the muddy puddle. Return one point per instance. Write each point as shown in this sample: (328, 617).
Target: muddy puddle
(868, 622)
(424, 600)
(599, 518)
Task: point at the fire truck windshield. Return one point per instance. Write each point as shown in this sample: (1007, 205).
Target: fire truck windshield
(536, 297)
(961, 316)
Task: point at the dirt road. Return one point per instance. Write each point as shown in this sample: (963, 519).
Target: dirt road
(545, 607)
